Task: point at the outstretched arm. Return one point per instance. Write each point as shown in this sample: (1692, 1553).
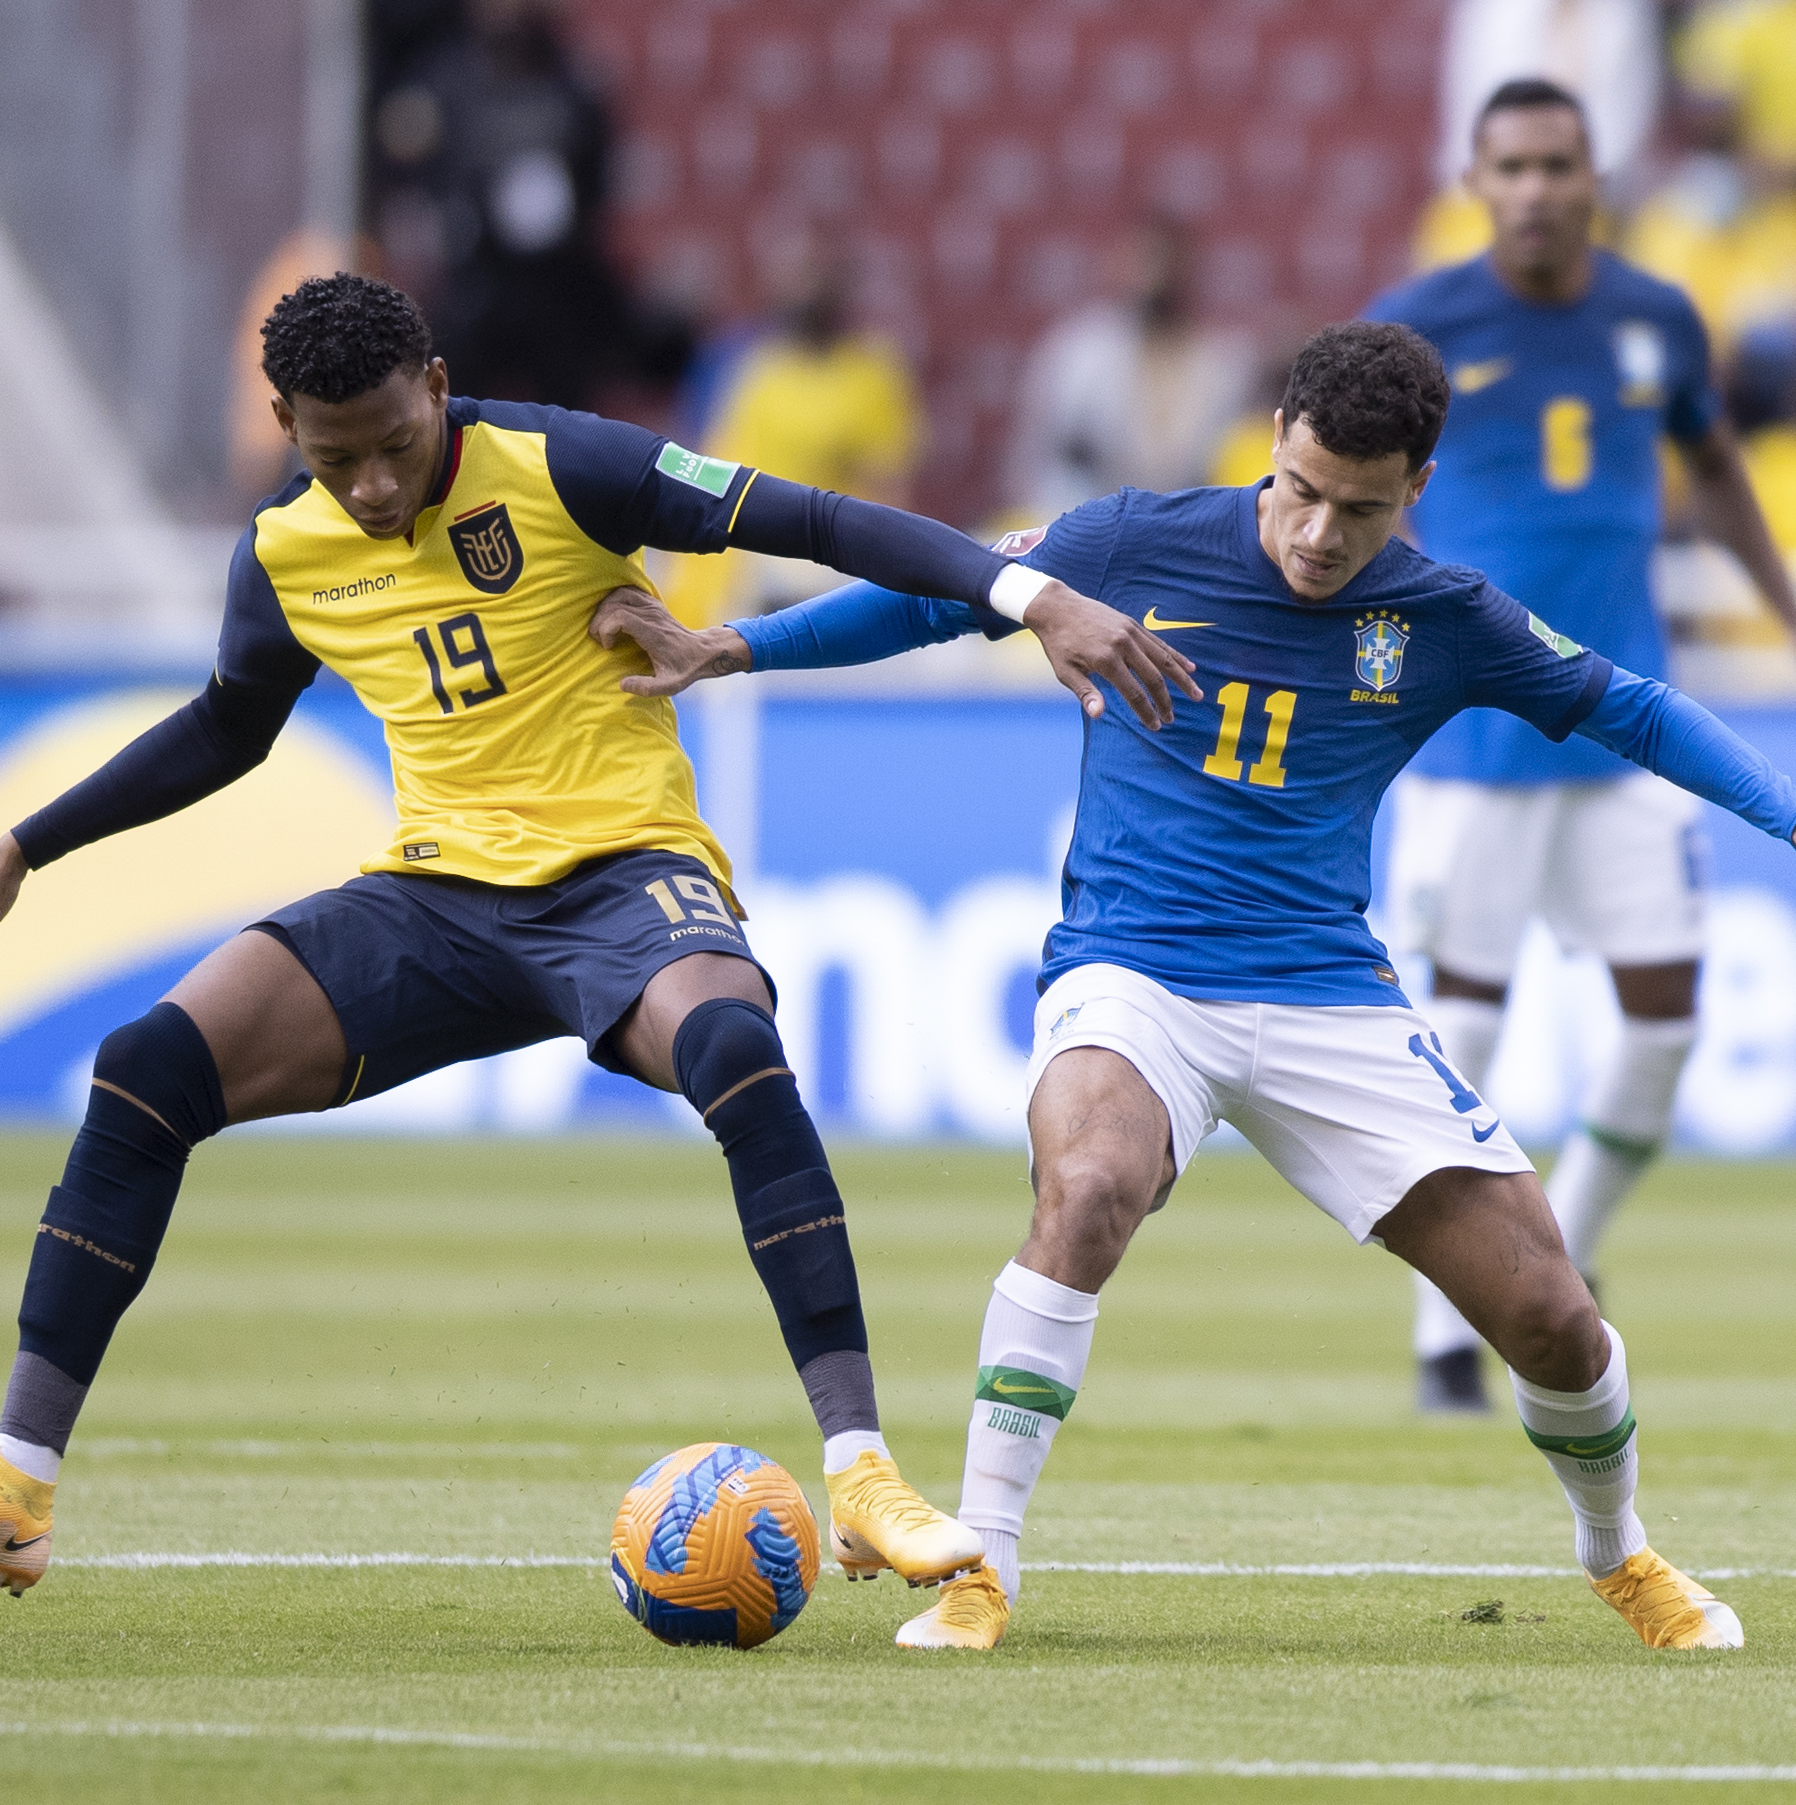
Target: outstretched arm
(1663, 730)
(861, 624)
(223, 733)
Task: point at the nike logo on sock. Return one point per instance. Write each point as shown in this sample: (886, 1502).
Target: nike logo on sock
(1483, 1134)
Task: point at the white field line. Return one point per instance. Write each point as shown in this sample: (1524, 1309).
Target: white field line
(110, 1446)
(1172, 1767)
(1153, 1569)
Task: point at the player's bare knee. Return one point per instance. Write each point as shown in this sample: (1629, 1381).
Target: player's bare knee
(1554, 1335)
(1086, 1203)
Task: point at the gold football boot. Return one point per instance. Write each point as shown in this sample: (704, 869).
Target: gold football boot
(1666, 1608)
(876, 1520)
(971, 1612)
(24, 1528)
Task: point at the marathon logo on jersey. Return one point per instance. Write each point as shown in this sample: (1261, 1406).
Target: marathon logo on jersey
(1379, 642)
(1026, 539)
(487, 549)
(343, 592)
(415, 850)
(713, 475)
(1640, 362)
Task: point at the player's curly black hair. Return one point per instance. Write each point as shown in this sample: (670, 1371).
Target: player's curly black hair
(338, 336)
(1368, 388)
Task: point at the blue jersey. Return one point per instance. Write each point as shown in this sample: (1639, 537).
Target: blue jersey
(1229, 854)
(1549, 472)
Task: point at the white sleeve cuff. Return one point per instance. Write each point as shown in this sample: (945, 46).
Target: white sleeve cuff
(1014, 588)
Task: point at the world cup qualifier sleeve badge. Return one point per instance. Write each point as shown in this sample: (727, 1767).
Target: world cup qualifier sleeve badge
(1379, 641)
(487, 549)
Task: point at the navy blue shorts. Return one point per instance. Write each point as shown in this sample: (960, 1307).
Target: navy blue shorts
(425, 971)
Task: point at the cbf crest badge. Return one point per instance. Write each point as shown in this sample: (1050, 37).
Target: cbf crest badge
(1379, 642)
(487, 549)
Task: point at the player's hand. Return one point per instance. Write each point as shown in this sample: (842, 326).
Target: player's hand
(680, 656)
(1084, 639)
(12, 873)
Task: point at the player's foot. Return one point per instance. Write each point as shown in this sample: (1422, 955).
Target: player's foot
(970, 1612)
(1667, 1608)
(24, 1528)
(1452, 1384)
(876, 1520)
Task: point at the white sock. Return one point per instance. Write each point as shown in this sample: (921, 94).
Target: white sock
(1032, 1354)
(1440, 1329)
(1468, 1032)
(1626, 1117)
(842, 1451)
(31, 1460)
(1000, 1550)
(1601, 1475)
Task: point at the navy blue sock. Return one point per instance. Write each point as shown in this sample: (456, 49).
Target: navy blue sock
(100, 1234)
(733, 1070)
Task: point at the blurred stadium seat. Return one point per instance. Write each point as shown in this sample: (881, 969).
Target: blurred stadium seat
(980, 155)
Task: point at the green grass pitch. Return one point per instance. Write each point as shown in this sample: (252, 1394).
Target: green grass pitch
(469, 1349)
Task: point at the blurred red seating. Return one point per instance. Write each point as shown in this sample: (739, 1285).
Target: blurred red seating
(982, 156)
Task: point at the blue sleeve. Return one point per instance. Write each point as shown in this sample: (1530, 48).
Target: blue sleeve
(1512, 660)
(862, 623)
(1663, 730)
(224, 733)
(626, 487)
(1693, 404)
(856, 625)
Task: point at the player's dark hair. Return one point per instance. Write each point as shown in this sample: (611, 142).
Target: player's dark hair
(1524, 94)
(338, 336)
(1368, 388)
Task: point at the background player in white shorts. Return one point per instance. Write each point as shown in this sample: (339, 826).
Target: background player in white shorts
(1213, 959)
(1567, 365)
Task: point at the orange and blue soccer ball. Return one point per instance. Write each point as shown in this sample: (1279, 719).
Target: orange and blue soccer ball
(714, 1544)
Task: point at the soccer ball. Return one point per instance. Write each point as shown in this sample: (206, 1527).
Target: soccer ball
(714, 1544)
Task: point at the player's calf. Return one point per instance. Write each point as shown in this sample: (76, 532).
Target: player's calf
(156, 1094)
(732, 1067)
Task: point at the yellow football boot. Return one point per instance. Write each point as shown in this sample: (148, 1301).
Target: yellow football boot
(971, 1612)
(1667, 1608)
(876, 1520)
(24, 1528)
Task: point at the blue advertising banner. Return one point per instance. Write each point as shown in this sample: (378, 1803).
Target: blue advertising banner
(898, 856)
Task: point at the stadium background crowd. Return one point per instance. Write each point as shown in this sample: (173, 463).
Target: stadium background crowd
(983, 259)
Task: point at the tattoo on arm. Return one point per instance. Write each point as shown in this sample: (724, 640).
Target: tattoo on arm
(727, 663)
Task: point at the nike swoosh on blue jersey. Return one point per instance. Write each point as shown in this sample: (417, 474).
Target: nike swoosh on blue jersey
(1482, 1135)
(1154, 624)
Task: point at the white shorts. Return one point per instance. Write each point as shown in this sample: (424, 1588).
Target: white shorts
(1614, 869)
(1353, 1106)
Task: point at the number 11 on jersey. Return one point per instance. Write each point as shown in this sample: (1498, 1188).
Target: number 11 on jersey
(1268, 769)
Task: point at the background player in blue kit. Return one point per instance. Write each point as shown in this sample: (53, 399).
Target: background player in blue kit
(1214, 961)
(1567, 365)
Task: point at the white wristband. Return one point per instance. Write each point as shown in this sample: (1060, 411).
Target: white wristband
(1014, 588)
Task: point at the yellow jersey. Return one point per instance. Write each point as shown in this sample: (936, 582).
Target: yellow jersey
(515, 754)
